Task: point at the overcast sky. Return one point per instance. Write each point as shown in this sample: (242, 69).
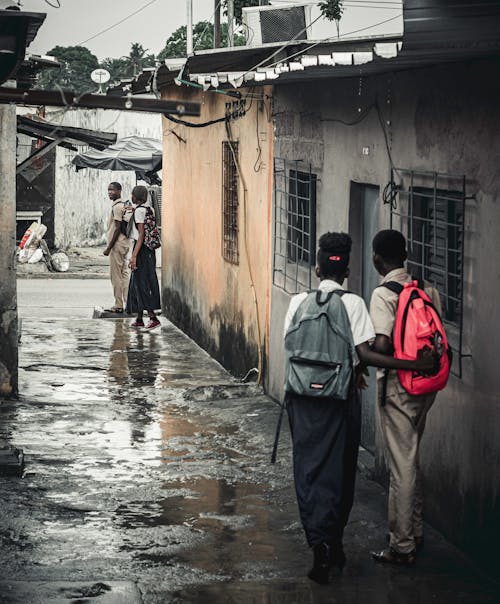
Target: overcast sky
(80, 22)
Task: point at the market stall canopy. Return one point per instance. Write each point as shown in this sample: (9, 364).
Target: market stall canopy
(130, 153)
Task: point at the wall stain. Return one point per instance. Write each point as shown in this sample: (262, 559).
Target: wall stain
(233, 349)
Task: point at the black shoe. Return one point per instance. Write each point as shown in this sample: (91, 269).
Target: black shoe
(391, 556)
(337, 558)
(322, 564)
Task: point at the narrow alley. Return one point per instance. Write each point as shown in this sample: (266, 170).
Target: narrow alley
(148, 479)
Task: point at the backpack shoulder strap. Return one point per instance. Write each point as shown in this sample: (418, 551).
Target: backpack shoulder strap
(341, 292)
(394, 286)
(321, 302)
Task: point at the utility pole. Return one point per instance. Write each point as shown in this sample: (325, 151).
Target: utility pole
(8, 290)
(189, 28)
(217, 36)
(230, 23)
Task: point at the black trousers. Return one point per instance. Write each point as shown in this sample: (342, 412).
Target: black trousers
(325, 437)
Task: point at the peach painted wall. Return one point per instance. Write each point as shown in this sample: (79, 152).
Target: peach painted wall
(209, 298)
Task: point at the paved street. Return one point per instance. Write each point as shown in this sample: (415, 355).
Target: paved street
(148, 479)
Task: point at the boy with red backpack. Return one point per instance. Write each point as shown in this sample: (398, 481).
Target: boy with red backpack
(406, 317)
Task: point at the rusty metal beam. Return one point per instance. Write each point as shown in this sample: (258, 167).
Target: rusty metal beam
(56, 98)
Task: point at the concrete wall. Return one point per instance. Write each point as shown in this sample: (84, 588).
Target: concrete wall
(209, 298)
(81, 203)
(443, 119)
(8, 291)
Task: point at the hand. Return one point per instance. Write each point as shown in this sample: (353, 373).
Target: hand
(427, 362)
(359, 379)
(106, 251)
(133, 263)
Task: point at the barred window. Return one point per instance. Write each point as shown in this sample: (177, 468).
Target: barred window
(294, 225)
(435, 244)
(429, 208)
(301, 232)
(229, 202)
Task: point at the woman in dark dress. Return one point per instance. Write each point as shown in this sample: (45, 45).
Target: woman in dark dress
(143, 291)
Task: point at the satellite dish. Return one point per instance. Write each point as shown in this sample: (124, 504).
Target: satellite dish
(100, 76)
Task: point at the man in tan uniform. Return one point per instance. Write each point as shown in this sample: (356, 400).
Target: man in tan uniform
(117, 249)
(400, 417)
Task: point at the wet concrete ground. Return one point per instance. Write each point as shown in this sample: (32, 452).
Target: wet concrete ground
(148, 480)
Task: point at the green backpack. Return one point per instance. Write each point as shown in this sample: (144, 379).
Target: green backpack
(319, 349)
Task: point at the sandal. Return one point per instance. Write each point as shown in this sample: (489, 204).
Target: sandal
(115, 310)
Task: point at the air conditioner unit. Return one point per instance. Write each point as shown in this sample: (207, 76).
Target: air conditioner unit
(265, 24)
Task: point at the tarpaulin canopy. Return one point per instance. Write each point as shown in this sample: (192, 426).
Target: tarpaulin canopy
(130, 153)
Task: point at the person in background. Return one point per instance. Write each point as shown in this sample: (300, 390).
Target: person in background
(117, 249)
(143, 291)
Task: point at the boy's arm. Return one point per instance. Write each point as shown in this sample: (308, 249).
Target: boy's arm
(367, 356)
(383, 344)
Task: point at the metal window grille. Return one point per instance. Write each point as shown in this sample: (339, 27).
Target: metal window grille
(230, 202)
(294, 225)
(429, 208)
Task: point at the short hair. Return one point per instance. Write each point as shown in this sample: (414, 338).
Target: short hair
(140, 192)
(115, 185)
(390, 245)
(333, 254)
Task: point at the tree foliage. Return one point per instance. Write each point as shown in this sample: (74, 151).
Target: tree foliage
(332, 9)
(129, 66)
(203, 39)
(77, 63)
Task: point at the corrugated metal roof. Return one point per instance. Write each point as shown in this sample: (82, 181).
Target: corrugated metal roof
(434, 32)
(38, 128)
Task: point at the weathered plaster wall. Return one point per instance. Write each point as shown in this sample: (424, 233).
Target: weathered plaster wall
(442, 119)
(209, 298)
(81, 200)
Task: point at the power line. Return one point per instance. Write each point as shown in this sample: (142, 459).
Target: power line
(117, 23)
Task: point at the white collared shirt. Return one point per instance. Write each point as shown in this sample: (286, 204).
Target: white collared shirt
(361, 324)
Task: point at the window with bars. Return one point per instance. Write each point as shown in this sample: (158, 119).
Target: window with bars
(436, 232)
(295, 188)
(230, 202)
(301, 232)
(429, 209)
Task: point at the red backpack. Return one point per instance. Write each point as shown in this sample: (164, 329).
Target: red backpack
(417, 326)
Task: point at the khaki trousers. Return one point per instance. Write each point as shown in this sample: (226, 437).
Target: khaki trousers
(119, 272)
(401, 423)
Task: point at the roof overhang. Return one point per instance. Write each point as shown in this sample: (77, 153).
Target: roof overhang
(17, 30)
(434, 33)
(54, 135)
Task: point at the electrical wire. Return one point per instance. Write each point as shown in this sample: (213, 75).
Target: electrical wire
(118, 22)
(209, 22)
(58, 5)
(357, 120)
(193, 125)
